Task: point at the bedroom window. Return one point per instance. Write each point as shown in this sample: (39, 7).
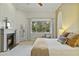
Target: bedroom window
(41, 26)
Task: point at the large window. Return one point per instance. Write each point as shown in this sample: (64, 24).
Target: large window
(40, 26)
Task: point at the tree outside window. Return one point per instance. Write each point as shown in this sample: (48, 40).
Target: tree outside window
(40, 26)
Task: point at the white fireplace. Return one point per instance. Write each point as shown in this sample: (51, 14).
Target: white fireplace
(6, 33)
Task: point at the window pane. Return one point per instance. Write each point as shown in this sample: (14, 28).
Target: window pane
(40, 26)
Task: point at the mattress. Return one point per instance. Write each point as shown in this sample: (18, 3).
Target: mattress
(58, 49)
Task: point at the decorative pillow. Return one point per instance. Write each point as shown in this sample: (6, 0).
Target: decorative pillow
(71, 35)
(73, 41)
(62, 39)
(77, 37)
(78, 42)
(65, 34)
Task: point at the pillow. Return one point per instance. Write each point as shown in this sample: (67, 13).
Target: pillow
(73, 41)
(71, 35)
(62, 39)
(65, 34)
(77, 40)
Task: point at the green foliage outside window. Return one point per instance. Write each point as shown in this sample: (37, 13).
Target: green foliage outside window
(40, 26)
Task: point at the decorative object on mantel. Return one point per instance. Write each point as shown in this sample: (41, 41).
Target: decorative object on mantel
(7, 23)
(6, 20)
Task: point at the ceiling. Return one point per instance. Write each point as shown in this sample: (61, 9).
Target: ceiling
(34, 7)
(35, 10)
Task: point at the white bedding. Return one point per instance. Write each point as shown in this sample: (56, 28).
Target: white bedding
(58, 49)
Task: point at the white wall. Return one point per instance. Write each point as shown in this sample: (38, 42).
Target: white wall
(7, 10)
(16, 19)
(21, 21)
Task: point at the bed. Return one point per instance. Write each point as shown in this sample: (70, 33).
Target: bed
(51, 47)
(40, 48)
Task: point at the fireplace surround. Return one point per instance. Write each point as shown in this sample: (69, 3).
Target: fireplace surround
(7, 39)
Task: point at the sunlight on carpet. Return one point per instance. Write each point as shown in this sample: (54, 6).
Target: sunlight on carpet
(26, 42)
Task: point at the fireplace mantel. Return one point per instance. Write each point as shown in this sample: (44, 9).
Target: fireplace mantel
(7, 31)
(5, 36)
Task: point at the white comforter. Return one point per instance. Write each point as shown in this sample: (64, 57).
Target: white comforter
(58, 49)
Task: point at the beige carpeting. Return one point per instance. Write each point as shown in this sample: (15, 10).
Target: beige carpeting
(22, 49)
(26, 42)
